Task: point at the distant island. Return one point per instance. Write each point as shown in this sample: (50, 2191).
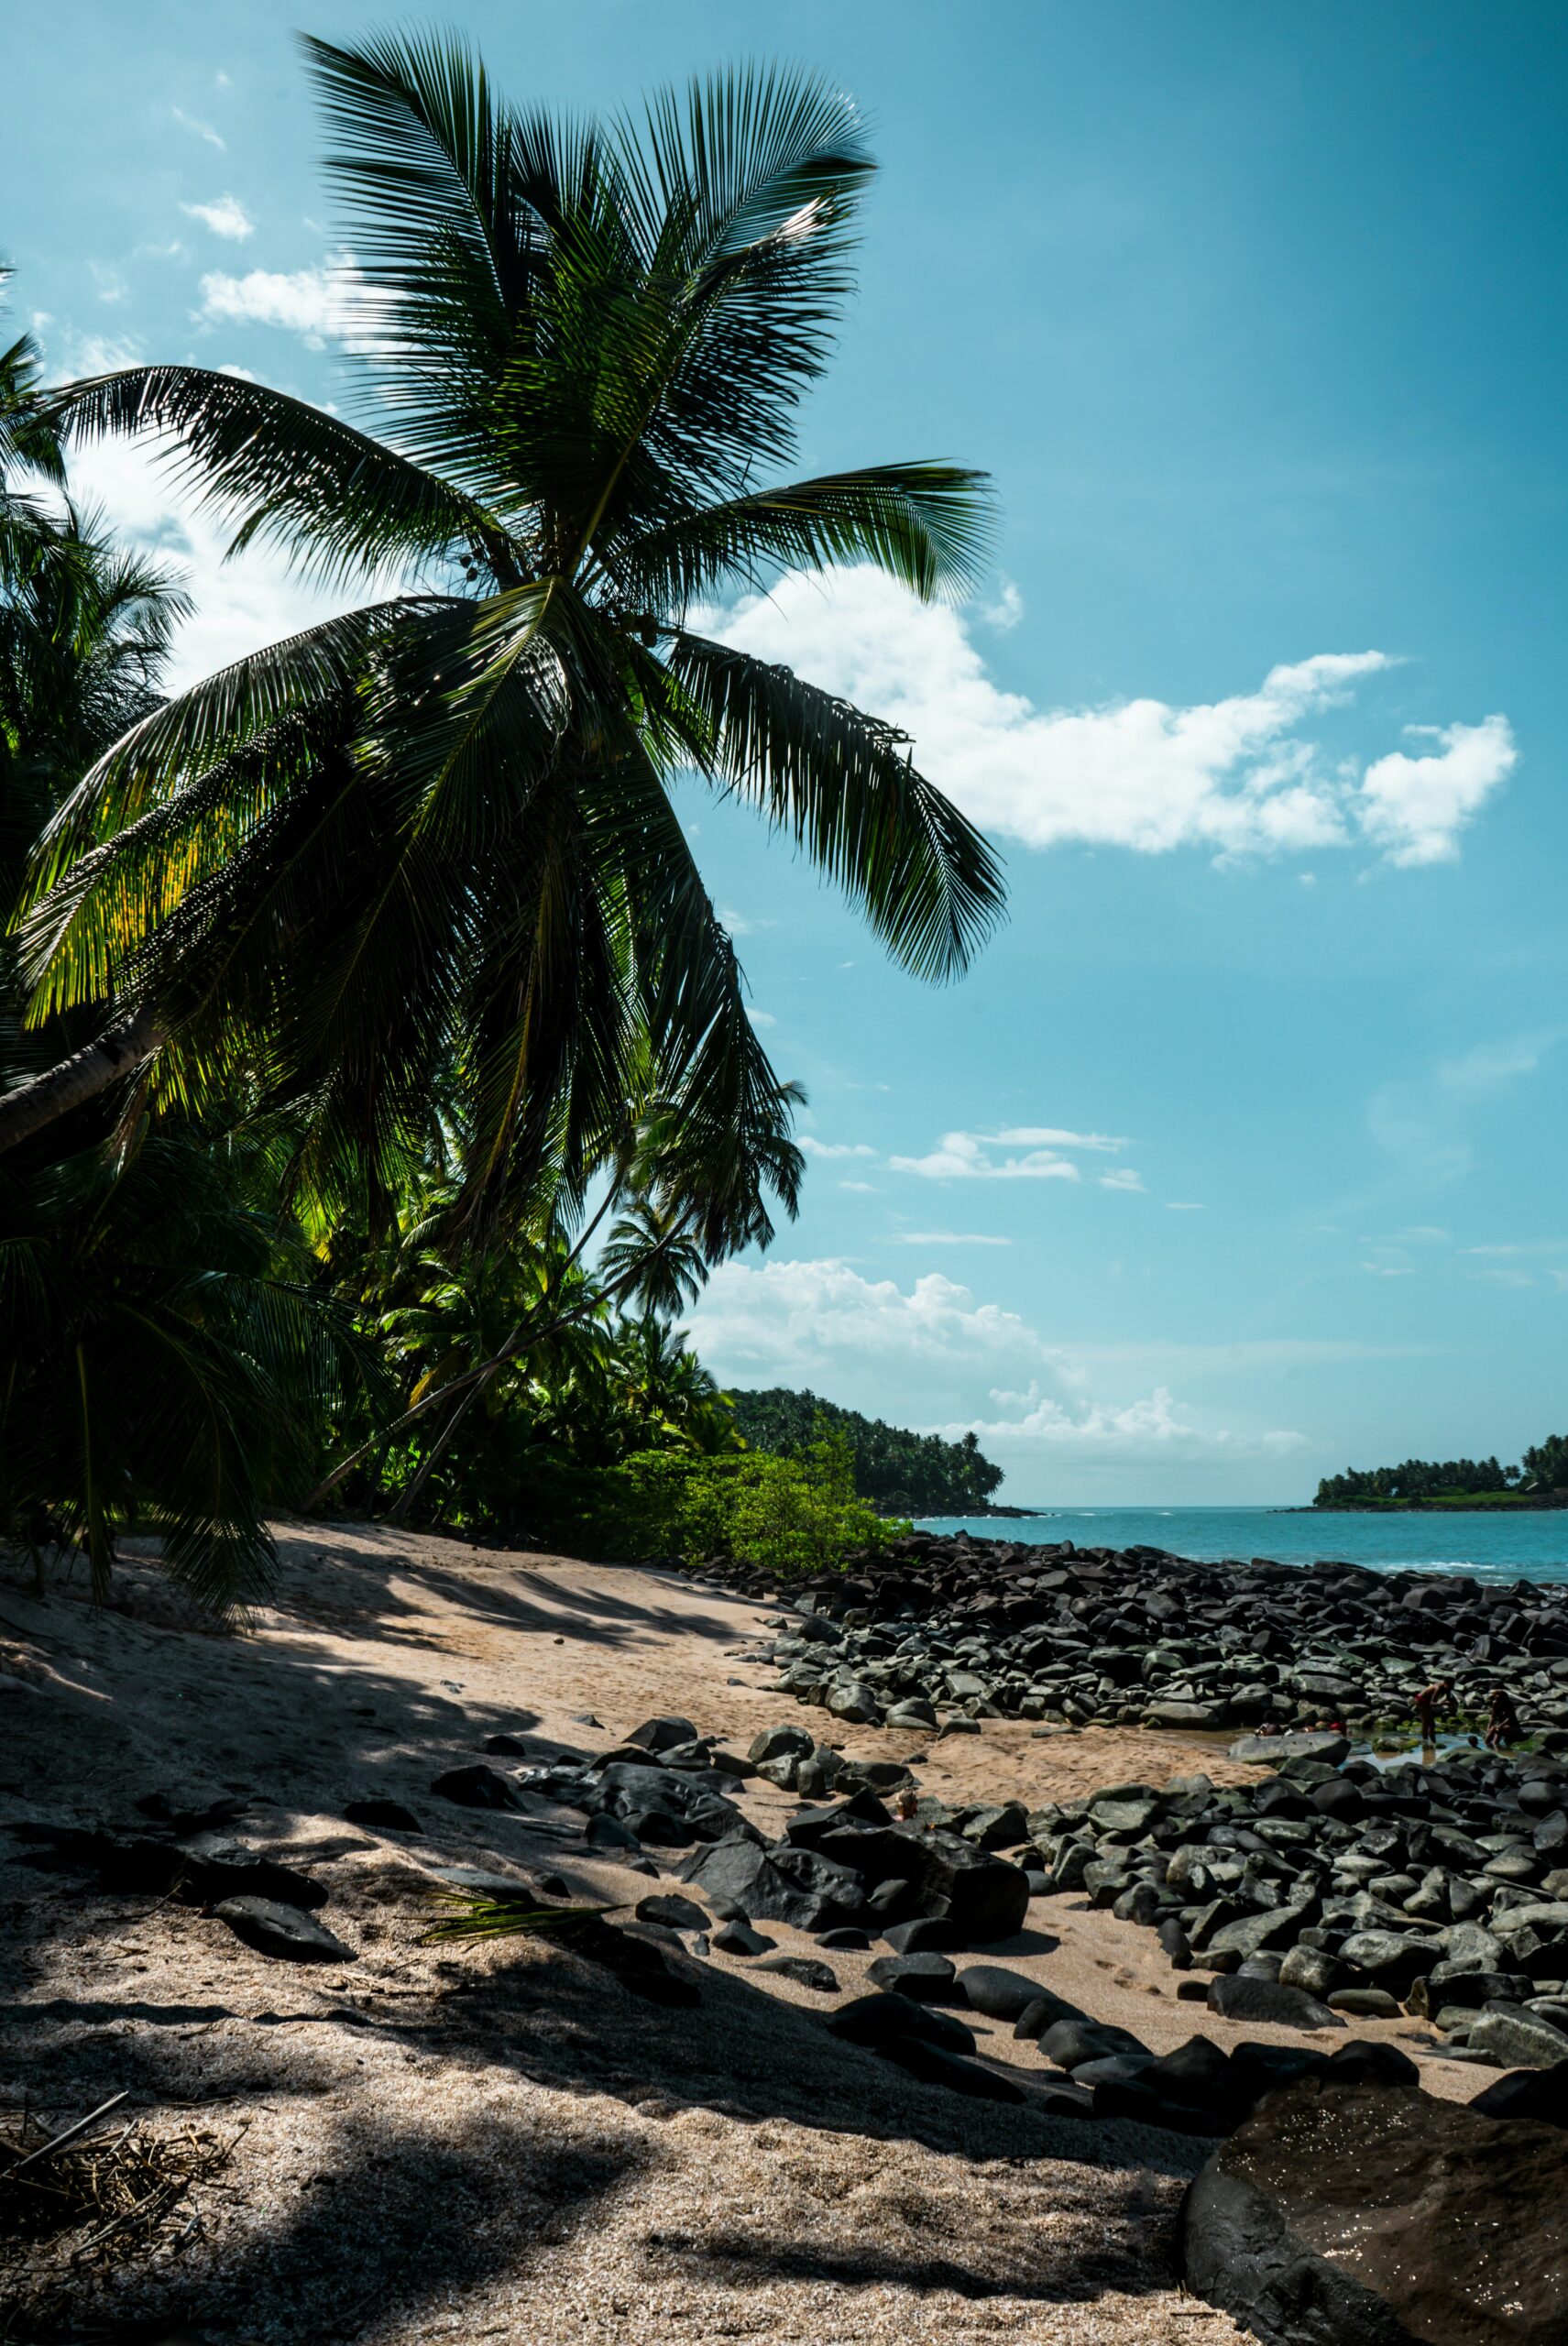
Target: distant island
(900, 1472)
(1540, 1480)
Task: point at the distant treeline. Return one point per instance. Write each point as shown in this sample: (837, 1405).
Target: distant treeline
(1544, 1468)
(906, 1474)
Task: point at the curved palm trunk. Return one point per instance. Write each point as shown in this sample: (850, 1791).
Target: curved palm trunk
(44, 1099)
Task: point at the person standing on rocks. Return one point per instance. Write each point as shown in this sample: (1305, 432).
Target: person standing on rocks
(1503, 1725)
(1426, 1706)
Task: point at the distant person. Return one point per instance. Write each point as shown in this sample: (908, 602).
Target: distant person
(1503, 1725)
(1426, 1706)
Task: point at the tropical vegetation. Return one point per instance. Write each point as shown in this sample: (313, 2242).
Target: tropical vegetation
(1455, 1481)
(376, 1084)
(902, 1473)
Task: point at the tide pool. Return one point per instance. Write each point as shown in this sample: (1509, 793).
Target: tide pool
(1491, 1547)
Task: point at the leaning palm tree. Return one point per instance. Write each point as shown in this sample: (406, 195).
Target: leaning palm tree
(439, 832)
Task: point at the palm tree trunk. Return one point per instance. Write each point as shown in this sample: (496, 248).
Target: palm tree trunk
(45, 1098)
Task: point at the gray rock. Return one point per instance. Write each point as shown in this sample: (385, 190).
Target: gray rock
(935, 2066)
(778, 1885)
(929, 1976)
(476, 1787)
(998, 1993)
(739, 1938)
(1517, 2039)
(780, 1742)
(1332, 1749)
(877, 2020)
(662, 1735)
(675, 1913)
(1265, 2000)
(381, 1816)
(272, 1928)
(804, 1970)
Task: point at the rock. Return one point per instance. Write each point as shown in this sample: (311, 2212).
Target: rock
(1517, 2039)
(675, 1913)
(1368, 2062)
(665, 1808)
(1070, 2042)
(924, 1934)
(1389, 1957)
(1372, 2216)
(606, 1832)
(1540, 2094)
(382, 1816)
(804, 1970)
(998, 1993)
(913, 1712)
(504, 1747)
(476, 1787)
(934, 2066)
(272, 1928)
(1312, 1969)
(929, 1976)
(662, 1735)
(778, 1885)
(739, 1938)
(877, 2020)
(856, 1704)
(1043, 2012)
(216, 1867)
(1364, 2003)
(1332, 1749)
(780, 1743)
(1253, 1932)
(1197, 2075)
(1265, 2000)
(1197, 1717)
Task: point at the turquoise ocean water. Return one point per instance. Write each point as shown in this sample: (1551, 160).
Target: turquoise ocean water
(1492, 1547)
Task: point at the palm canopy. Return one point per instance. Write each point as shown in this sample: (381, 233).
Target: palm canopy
(438, 832)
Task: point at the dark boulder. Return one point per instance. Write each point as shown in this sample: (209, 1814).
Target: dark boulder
(662, 1735)
(272, 1928)
(929, 1976)
(665, 1808)
(217, 1869)
(934, 2066)
(877, 2020)
(739, 1938)
(1374, 2216)
(998, 1993)
(777, 1885)
(381, 1816)
(1540, 2094)
(1244, 1998)
(476, 1787)
(675, 1913)
(804, 1970)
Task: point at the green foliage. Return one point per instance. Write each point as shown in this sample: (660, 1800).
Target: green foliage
(911, 1473)
(168, 1367)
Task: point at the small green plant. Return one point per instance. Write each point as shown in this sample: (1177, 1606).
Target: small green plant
(491, 1914)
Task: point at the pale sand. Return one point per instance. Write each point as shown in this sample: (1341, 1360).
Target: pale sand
(501, 2143)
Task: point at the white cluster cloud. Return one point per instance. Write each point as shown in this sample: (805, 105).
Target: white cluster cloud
(793, 1318)
(1155, 1426)
(1238, 777)
(313, 301)
(225, 217)
(983, 1157)
(822, 1322)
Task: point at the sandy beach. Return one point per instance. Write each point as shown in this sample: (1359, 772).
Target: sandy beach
(500, 2141)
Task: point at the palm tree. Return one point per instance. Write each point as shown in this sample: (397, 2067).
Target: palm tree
(439, 833)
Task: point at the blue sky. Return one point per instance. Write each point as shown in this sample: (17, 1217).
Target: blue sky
(1239, 1155)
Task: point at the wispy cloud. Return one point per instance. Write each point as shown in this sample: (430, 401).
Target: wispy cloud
(1240, 776)
(945, 1238)
(1423, 1121)
(226, 216)
(1182, 1205)
(831, 1148)
(1123, 1178)
(1390, 1270)
(200, 129)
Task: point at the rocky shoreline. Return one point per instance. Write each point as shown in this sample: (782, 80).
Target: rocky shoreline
(1332, 1885)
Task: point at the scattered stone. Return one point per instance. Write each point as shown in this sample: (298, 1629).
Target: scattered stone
(675, 1913)
(662, 1735)
(878, 2019)
(382, 1816)
(1517, 2039)
(739, 1938)
(1239, 1997)
(929, 1976)
(998, 1993)
(804, 1970)
(476, 1787)
(504, 1747)
(934, 2066)
(272, 1928)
